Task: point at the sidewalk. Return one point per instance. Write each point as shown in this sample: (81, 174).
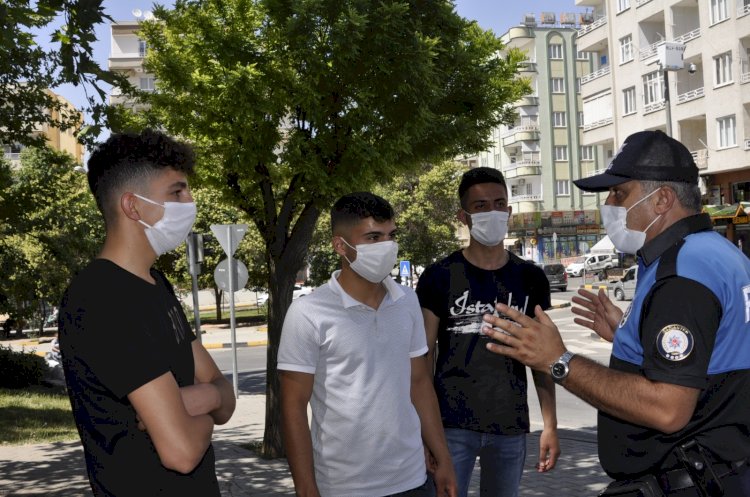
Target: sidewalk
(58, 469)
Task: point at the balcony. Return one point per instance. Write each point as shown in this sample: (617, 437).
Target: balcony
(650, 51)
(690, 95)
(528, 100)
(640, 3)
(519, 134)
(743, 10)
(596, 74)
(701, 158)
(590, 27)
(126, 61)
(534, 197)
(597, 124)
(654, 107)
(525, 160)
(517, 32)
(526, 167)
(744, 71)
(747, 144)
(527, 66)
(690, 35)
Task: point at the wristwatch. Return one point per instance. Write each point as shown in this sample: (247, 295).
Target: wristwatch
(561, 367)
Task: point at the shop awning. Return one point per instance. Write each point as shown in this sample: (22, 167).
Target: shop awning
(733, 213)
(603, 246)
(509, 242)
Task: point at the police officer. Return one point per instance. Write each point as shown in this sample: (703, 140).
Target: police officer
(674, 403)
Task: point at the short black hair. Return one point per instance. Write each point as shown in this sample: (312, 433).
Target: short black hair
(479, 175)
(353, 207)
(127, 159)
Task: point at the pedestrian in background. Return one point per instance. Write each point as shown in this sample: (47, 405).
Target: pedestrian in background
(483, 396)
(354, 349)
(145, 393)
(674, 402)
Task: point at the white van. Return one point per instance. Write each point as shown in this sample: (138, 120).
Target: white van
(624, 288)
(592, 263)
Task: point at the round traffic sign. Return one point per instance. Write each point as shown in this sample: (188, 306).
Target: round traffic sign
(221, 275)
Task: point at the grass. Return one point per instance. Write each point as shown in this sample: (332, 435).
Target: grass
(37, 414)
(251, 315)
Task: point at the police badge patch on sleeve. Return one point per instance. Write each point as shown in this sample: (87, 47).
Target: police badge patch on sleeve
(674, 342)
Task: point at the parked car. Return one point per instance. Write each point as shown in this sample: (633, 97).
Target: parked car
(624, 288)
(592, 263)
(301, 291)
(556, 275)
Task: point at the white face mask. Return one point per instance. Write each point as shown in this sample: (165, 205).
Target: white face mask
(173, 227)
(489, 228)
(374, 260)
(615, 222)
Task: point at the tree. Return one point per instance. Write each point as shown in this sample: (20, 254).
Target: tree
(212, 209)
(292, 104)
(426, 204)
(28, 71)
(50, 228)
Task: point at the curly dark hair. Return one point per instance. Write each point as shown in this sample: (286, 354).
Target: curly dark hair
(129, 160)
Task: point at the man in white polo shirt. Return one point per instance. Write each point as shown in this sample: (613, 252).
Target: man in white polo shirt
(355, 350)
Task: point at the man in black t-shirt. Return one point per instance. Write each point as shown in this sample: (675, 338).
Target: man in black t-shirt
(145, 393)
(482, 396)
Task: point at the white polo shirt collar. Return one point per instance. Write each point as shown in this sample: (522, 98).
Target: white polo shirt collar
(393, 291)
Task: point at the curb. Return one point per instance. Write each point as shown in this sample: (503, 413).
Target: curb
(560, 305)
(589, 287)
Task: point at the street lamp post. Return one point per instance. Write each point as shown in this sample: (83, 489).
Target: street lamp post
(669, 59)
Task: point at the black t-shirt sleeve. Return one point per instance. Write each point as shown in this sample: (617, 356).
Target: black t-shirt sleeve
(108, 341)
(678, 329)
(431, 290)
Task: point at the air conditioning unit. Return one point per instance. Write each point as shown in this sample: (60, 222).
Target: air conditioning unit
(521, 182)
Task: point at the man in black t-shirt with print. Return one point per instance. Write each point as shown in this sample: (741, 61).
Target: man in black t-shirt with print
(482, 396)
(145, 393)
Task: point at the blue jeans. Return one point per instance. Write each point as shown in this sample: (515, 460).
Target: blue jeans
(501, 458)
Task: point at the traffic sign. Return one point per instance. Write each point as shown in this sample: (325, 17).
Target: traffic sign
(229, 236)
(221, 275)
(405, 269)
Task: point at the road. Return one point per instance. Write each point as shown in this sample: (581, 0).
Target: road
(572, 412)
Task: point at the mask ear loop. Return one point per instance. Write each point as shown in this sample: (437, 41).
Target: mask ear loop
(641, 200)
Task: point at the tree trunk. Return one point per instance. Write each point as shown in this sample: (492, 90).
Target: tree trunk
(284, 261)
(217, 300)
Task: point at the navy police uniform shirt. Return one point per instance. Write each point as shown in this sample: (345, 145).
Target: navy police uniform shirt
(691, 329)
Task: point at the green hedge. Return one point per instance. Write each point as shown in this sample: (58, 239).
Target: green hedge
(20, 369)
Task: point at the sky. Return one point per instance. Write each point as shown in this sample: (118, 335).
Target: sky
(497, 15)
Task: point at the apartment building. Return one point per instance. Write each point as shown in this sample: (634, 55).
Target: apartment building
(542, 152)
(126, 55)
(705, 104)
(56, 139)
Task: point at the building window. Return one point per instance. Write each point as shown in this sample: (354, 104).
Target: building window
(586, 55)
(147, 84)
(628, 101)
(561, 152)
(626, 49)
(653, 88)
(719, 11)
(580, 119)
(555, 51)
(562, 187)
(141, 48)
(587, 152)
(622, 5)
(558, 85)
(723, 68)
(578, 85)
(12, 152)
(725, 127)
(559, 120)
